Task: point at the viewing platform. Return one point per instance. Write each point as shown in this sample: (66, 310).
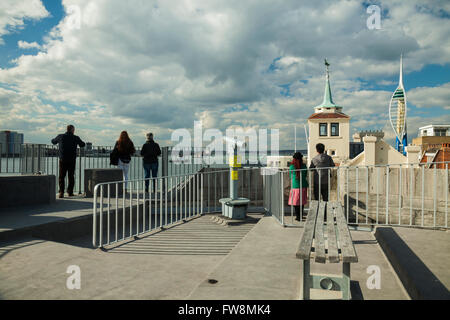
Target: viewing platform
(202, 259)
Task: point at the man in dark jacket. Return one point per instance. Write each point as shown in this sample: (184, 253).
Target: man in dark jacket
(322, 160)
(68, 143)
(150, 151)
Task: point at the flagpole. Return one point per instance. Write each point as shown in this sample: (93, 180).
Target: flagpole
(295, 138)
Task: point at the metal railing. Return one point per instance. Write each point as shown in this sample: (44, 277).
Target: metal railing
(44, 159)
(401, 195)
(119, 215)
(10, 155)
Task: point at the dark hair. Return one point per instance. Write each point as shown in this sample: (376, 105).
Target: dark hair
(320, 148)
(124, 144)
(298, 155)
(297, 162)
(70, 128)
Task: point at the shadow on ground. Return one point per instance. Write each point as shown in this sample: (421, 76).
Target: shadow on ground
(7, 247)
(201, 236)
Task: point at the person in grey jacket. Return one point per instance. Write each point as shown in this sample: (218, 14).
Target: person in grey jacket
(322, 160)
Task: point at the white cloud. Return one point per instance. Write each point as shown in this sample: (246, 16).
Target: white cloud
(160, 65)
(430, 97)
(28, 45)
(14, 12)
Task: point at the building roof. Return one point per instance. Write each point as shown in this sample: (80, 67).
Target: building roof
(435, 126)
(328, 115)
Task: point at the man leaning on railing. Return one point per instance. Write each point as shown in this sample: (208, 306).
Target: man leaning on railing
(68, 143)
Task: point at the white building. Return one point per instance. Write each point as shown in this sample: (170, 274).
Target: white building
(278, 161)
(330, 126)
(435, 131)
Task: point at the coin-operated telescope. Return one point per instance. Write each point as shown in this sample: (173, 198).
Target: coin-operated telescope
(234, 207)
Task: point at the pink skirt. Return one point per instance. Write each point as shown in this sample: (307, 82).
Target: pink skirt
(294, 197)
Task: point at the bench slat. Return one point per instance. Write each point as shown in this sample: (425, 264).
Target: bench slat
(333, 254)
(304, 248)
(319, 239)
(344, 237)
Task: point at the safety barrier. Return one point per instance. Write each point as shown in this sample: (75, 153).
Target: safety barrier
(123, 210)
(402, 195)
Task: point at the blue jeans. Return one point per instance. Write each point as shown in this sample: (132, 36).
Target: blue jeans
(153, 169)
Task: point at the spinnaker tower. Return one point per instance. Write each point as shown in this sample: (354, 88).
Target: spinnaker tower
(397, 114)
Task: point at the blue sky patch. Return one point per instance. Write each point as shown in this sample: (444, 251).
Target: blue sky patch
(32, 31)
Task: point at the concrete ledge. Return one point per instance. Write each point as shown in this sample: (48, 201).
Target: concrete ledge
(27, 190)
(68, 229)
(63, 230)
(93, 177)
(418, 280)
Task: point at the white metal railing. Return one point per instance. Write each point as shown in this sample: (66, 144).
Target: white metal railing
(402, 194)
(120, 214)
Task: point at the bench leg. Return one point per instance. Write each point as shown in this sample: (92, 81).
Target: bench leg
(306, 280)
(346, 281)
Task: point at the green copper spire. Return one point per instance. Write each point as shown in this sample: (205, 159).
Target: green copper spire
(327, 98)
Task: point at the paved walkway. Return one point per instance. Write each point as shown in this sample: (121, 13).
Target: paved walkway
(167, 265)
(248, 261)
(264, 266)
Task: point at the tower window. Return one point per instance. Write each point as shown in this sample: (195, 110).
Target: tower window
(335, 129)
(323, 129)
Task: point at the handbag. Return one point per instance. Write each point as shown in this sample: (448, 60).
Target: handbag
(114, 157)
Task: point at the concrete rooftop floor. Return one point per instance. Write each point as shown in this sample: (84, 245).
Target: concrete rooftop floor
(255, 261)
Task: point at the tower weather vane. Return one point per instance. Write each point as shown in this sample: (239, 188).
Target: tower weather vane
(326, 66)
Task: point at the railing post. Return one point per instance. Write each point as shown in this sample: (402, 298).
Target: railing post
(423, 193)
(357, 197)
(79, 172)
(411, 173)
(367, 195)
(400, 189)
(94, 219)
(164, 161)
(446, 195)
(282, 197)
(101, 216)
(32, 159)
(164, 164)
(435, 195)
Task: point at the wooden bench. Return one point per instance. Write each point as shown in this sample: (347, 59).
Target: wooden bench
(322, 239)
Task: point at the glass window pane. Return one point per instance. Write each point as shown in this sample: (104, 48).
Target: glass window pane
(323, 129)
(335, 129)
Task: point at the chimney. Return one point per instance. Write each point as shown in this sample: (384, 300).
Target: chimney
(413, 154)
(369, 150)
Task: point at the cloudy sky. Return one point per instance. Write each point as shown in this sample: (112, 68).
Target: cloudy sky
(146, 65)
